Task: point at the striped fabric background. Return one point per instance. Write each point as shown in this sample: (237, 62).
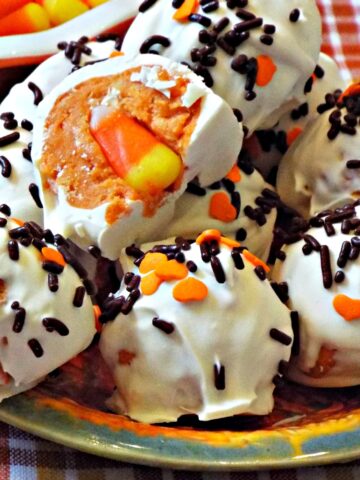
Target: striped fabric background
(341, 34)
(25, 457)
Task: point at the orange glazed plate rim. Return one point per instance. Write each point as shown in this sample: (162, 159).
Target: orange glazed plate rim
(335, 439)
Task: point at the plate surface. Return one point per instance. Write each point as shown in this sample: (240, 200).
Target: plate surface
(307, 427)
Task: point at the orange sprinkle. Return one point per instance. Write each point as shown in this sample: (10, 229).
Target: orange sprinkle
(347, 307)
(324, 363)
(97, 313)
(17, 221)
(293, 134)
(352, 90)
(250, 257)
(78, 361)
(171, 270)
(208, 235)
(53, 256)
(234, 175)
(150, 284)
(125, 357)
(186, 9)
(151, 260)
(266, 70)
(115, 53)
(190, 290)
(4, 377)
(229, 242)
(221, 208)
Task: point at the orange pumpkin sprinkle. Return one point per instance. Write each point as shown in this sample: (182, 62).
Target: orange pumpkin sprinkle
(171, 270)
(221, 208)
(324, 363)
(352, 90)
(293, 135)
(151, 260)
(115, 53)
(347, 307)
(125, 357)
(266, 70)
(234, 175)
(18, 221)
(150, 284)
(229, 242)
(255, 260)
(97, 313)
(208, 235)
(53, 255)
(190, 290)
(186, 9)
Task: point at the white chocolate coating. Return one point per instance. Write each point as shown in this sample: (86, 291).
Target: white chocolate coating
(295, 51)
(87, 226)
(20, 101)
(331, 80)
(26, 282)
(313, 175)
(173, 374)
(321, 326)
(192, 216)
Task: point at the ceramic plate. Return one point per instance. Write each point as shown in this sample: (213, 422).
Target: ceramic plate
(307, 427)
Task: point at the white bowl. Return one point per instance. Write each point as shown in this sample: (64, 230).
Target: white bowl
(33, 48)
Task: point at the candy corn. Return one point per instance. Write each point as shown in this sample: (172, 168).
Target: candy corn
(28, 19)
(9, 6)
(135, 154)
(60, 11)
(94, 3)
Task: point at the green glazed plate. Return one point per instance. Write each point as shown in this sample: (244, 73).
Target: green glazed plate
(307, 427)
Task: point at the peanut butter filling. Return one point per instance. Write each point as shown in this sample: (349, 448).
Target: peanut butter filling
(73, 160)
(3, 292)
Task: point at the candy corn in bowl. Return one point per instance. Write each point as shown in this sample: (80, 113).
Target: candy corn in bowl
(30, 30)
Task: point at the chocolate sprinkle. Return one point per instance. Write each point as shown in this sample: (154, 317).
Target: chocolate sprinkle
(19, 320)
(163, 325)
(191, 266)
(326, 266)
(55, 325)
(53, 282)
(339, 277)
(280, 336)
(218, 270)
(260, 272)
(127, 306)
(237, 258)
(27, 125)
(353, 164)
(146, 5)
(52, 267)
(13, 250)
(294, 15)
(201, 19)
(154, 40)
(38, 95)
(34, 192)
(9, 139)
(79, 297)
(344, 254)
(5, 209)
(219, 377)
(5, 167)
(36, 348)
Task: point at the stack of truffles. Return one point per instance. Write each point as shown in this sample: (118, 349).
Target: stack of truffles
(213, 157)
